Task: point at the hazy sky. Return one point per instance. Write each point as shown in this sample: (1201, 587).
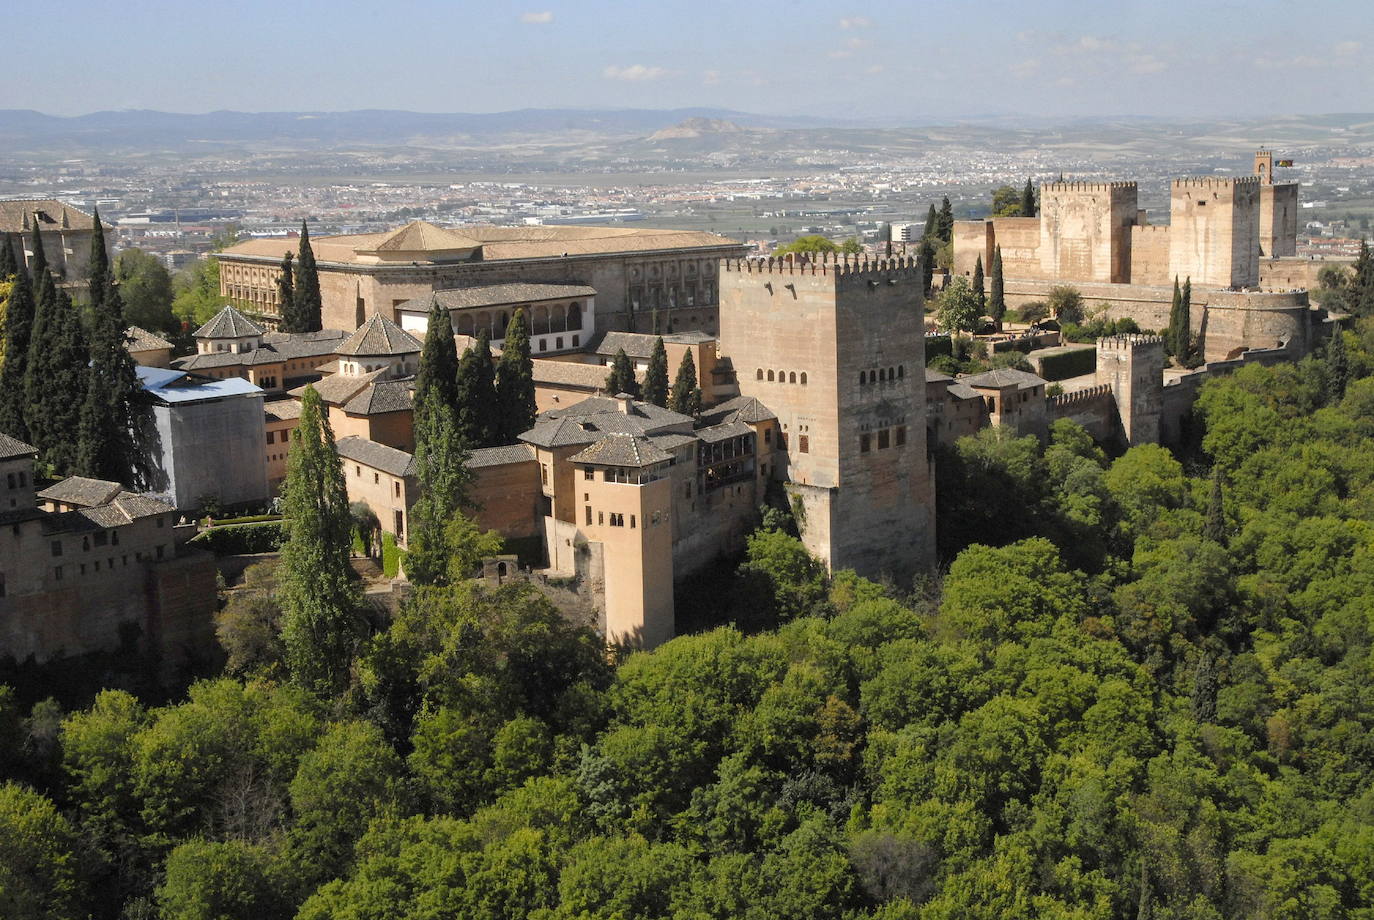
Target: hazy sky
(918, 58)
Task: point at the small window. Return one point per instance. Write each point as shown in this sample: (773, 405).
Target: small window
(768, 436)
(543, 345)
(577, 340)
(884, 439)
(357, 470)
(901, 435)
(601, 517)
(57, 547)
(558, 342)
(792, 377)
(396, 486)
(57, 572)
(271, 437)
(770, 376)
(804, 444)
(901, 371)
(2, 584)
(865, 443)
(863, 378)
(758, 375)
(589, 515)
(376, 478)
(588, 473)
(803, 378)
(544, 473)
(9, 478)
(632, 522)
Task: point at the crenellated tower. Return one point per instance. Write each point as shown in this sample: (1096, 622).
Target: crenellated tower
(1214, 231)
(1133, 366)
(836, 349)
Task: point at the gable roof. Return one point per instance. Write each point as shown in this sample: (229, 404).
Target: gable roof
(500, 456)
(641, 344)
(228, 323)
(79, 490)
(383, 396)
(745, 409)
(13, 447)
(276, 347)
(495, 295)
(379, 336)
(558, 432)
(417, 236)
(337, 389)
(378, 456)
(140, 339)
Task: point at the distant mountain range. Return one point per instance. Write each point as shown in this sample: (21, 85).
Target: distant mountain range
(29, 132)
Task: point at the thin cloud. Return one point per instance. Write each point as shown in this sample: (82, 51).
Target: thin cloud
(855, 22)
(1345, 49)
(850, 46)
(537, 19)
(635, 73)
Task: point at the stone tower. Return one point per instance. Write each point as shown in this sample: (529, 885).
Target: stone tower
(1278, 210)
(1133, 365)
(1264, 166)
(1085, 230)
(1214, 231)
(837, 351)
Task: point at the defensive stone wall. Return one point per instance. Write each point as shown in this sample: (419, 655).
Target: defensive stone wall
(1094, 408)
(1085, 230)
(1293, 273)
(1150, 254)
(1214, 235)
(1278, 221)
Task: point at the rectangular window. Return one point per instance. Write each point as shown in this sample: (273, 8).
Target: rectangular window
(558, 342)
(397, 487)
(804, 444)
(589, 515)
(2, 584)
(768, 436)
(884, 439)
(57, 547)
(865, 443)
(271, 437)
(601, 517)
(632, 522)
(376, 478)
(577, 340)
(901, 435)
(544, 473)
(357, 471)
(10, 479)
(543, 345)
(588, 473)
(57, 573)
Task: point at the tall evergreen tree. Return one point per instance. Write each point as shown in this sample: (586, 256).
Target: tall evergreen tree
(38, 264)
(1028, 206)
(515, 381)
(1337, 366)
(112, 411)
(946, 220)
(1186, 343)
(440, 454)
(286, 290)
(8, 264)
(1175, 316)
(477, 421)
(997, 298)
(926, 253)
(56, 379)
(686, 395)
(621, 379)
(1214, 528)
(885, 232)
(19, 317)
(315, 588)
(306, 317)
(656, 377)
(932, 228)
(978, 286)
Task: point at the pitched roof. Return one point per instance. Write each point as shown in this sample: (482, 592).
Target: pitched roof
(378, 456)
(124, 508)
(495, 295)
(13, 447)
(936, 377)
(558, 432)
(620, 449)
(1003, 377)
(79, 490)
(645, 416)
(337, 389)
(500, 456)
(641, 344)
(276, 347)
(418, 236)
(140, 339)
(17, 215)
(724, 432)
(282, 409)
(228, 324)
(379, 336)
(383, 396)
(569, 373)
(745, 409)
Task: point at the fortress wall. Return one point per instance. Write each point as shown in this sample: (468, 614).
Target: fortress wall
(1289, 273)
(1019, 238)
(1214, 237)
(1278, 220)
(1176, 405)
(1150, 255)
(1085, 230)
(972, 238)
(1093, 408)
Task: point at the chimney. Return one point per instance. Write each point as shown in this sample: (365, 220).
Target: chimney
(626, 403)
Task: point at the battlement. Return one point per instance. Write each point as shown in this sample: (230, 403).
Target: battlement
(838, 265)
(1214, 181)
(1129, 342)
(1079, 397)
(1076, 186)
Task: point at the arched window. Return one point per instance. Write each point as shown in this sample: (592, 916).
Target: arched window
(901, 371)
(792, 377)
(891, 374)
(863, 377)
(782, 376)
(574, 317)
(464, 325)
(803, 378)
(770, 376)
(759, 374)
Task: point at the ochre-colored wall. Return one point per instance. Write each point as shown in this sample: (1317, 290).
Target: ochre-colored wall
(510, 498)
(1150, 255)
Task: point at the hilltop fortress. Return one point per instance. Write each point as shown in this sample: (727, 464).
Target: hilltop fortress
(1236, 238)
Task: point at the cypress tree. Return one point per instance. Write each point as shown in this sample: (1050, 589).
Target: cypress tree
(440, 454)
(1028, 208)
(1214, 528)
(515, 381)
(19, 317)
(112, 411)
(315, 588)
(978, 286)
(1337, 366)
(1175, 314)
(307, 314)
(1185, 329)
(8, 264)
(927, 256)
(656, 378)
(946, 220)
(997, 299)
(932, 227)
(38, 265)
(476, 416)
(286, 292)
(622, 376)
(56, 379)
(686, 395)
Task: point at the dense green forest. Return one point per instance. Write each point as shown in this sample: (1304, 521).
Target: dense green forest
(1141, 687)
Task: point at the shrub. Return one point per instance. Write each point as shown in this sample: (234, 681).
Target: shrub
(391, 555)
(239, 539)
(1068, 364)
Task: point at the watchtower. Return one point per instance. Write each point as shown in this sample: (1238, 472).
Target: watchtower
(1264, 166)
(1133, 365)
(837, 350)
(1214, 232)
(1085, 230)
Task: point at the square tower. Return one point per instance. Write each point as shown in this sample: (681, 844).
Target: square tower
(1085, 230)
(1133, 366)
(1214, 231)
(837, 351)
